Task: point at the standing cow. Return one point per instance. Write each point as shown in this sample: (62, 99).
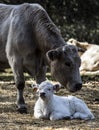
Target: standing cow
(27, 35)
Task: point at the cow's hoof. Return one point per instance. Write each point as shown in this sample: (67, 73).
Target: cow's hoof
(22, 110)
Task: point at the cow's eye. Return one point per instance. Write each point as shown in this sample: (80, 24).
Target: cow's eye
(67, 64)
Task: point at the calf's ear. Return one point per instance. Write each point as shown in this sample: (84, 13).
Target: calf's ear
(56, 87)
(81, 49)
(52, 55)
(35, 87)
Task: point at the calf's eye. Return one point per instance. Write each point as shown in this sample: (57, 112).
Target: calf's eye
(49, 89)
(67, 64)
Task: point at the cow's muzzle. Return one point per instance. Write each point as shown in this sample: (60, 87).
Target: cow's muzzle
(75, 87)
(78, 86)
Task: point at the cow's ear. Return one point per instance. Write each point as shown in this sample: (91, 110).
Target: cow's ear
(35, 87)
(52, 55)
(56, 87)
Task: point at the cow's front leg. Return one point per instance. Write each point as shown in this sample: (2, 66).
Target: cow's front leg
(17, 68)
(20, 84)
(20, 100)
(41, 74)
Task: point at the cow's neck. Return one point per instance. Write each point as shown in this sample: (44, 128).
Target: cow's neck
(48, 36)
(50, 43)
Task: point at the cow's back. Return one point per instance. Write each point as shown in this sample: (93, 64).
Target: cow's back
(5, 11)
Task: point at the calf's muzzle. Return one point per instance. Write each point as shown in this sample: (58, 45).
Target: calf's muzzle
(42, 95)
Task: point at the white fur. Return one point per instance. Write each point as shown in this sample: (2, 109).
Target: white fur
(56, 107)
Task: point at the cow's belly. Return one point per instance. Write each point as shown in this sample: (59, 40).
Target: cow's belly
(3, 59)
(2, 52)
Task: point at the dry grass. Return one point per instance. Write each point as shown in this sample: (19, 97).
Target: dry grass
(12, 120)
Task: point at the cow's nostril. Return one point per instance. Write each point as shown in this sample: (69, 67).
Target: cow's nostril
(78, 86)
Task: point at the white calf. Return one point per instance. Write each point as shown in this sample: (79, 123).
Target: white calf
(89, 54)
(55, 107)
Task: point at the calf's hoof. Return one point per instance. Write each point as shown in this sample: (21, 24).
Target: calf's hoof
(66, 118)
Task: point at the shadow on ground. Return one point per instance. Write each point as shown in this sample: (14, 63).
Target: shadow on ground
(10, 119)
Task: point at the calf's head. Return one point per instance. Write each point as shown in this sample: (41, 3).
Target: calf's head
(46, 90)
(64, 63)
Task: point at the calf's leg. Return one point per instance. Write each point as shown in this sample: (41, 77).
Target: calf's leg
(83, 116)
(58, 116)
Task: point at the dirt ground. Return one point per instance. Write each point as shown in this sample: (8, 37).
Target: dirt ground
(10, 119)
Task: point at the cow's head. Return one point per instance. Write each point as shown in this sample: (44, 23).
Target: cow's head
(65, 63)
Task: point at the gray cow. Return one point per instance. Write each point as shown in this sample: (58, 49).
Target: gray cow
(29, 41)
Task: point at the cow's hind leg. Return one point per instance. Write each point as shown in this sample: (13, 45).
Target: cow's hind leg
(16, 64)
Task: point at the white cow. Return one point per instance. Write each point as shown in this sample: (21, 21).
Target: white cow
(53, 107)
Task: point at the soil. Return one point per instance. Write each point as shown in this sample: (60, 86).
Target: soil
(10, 119)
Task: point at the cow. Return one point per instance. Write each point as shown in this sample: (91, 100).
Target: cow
(30, 41)
(54, 107)
(89, 55)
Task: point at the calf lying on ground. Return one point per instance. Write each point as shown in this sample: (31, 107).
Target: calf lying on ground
(53, 107)
(89, 55)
